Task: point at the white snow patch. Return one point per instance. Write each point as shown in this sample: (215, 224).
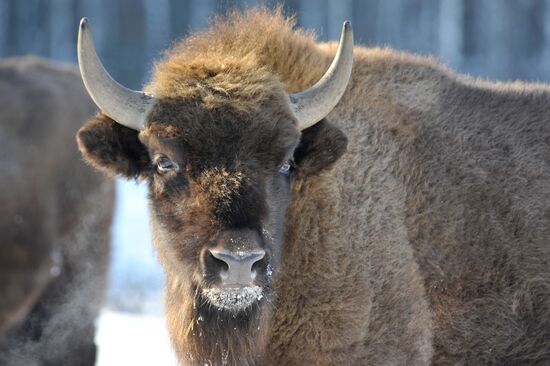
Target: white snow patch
(133, 339)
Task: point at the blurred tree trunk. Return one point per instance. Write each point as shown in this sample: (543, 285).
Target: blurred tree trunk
(62, 29)
(451, 35)
(5, 10)
(157, 30)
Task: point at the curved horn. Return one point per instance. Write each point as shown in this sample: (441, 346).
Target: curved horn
(125, 106)
(313, 104)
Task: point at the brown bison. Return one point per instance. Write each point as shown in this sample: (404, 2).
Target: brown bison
(55, 219)
(398, 219)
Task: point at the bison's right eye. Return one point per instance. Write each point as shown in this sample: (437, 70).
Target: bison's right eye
(165, 165)
(287, 167)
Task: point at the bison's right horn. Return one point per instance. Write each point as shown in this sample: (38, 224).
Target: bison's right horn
(125, 106)
(313, 104)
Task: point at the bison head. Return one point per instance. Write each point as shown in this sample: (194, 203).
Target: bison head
(220, 153)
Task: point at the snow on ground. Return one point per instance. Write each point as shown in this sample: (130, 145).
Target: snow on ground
(133, 339)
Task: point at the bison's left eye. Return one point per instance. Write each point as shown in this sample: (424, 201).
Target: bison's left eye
(165, 165)
(286, 168)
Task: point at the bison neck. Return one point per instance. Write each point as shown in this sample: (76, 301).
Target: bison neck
(203, 335)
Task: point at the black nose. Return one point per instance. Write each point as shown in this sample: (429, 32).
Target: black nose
(237, 266)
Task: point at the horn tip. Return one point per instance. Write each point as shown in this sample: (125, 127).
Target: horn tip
(84, 23)
(347, 25)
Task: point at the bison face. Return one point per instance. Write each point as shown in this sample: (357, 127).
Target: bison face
(220, 183)
(219, 188)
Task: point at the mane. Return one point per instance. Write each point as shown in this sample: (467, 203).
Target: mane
(245, 54)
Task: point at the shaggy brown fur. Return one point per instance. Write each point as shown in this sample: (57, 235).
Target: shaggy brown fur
(426, 242)
(56, 215)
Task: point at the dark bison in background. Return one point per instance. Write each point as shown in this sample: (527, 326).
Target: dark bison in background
(55, 219)
(399, 219)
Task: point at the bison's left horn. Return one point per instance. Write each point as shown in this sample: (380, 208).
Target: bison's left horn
(313, 104)
(125, 106)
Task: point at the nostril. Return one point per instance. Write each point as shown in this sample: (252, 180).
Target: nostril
(218, 264)
(259, 265)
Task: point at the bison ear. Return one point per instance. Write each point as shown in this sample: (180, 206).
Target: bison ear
(113, 148)
(321, 145)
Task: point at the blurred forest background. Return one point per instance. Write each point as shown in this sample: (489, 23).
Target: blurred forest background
(498, 39)
(494, 39)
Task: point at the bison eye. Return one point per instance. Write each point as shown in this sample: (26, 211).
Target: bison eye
(165, 165)
(286, 168)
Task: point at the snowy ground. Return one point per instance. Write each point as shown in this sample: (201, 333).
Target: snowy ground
(133, 339)
(131, 328)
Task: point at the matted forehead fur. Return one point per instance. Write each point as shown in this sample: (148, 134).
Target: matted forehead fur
(221, 134)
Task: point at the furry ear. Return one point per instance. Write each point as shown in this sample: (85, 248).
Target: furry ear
(321, 146)
(113, 148)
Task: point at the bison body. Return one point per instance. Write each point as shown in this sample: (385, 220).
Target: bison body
(412, 230)
(56, 215)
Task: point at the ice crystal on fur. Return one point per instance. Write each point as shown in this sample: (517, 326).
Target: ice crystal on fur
(233, 298)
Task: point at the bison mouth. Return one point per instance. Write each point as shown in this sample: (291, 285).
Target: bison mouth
(233, 299)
